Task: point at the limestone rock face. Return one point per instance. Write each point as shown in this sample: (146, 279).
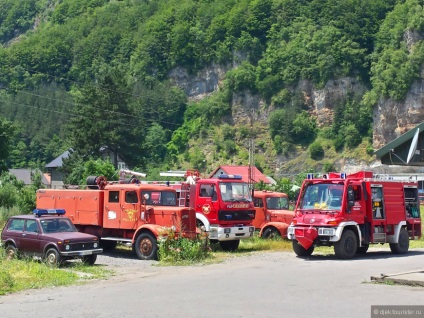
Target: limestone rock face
(391, 118)
(394, 118)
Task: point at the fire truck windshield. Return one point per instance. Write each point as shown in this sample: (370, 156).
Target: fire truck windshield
(234, 191)
(322, 196)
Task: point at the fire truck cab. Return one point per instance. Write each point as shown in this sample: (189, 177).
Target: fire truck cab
(272, 214)
(224, 206)
(351, 212)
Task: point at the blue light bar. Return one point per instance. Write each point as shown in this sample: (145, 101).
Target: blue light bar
(40, 212)
(230, 176)
(310, 176)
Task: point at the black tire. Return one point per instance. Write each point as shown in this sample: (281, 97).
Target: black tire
(89, 259)
(363, 249)
(146, 247)
(229, 245)
(53, 258)
(11, 252)
(107, 245)
(402, 246)
(347, 246)
(300, 250)
(271, 233)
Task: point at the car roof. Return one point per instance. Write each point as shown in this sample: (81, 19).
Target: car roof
(32, 216)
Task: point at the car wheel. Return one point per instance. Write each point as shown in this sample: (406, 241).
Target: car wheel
(11, 252)
(89, 259)
(53, 258)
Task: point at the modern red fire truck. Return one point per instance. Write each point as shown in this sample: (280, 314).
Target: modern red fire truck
(223, 205)
(133, 213)
(272, 216)
(351, 212)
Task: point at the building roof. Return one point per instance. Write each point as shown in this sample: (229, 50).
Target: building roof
(244, 172)
(25, 175)
(397, 151)
(58, 162)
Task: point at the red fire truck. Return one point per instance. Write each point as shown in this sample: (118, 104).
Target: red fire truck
(272, 214)
(223, 205)
(351, 212)
(134, 213)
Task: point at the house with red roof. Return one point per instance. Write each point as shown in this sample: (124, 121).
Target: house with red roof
(243, 171)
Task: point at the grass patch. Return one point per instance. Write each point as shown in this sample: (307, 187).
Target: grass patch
(28, 273)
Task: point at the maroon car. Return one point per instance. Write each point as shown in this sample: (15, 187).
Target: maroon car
(49, 235)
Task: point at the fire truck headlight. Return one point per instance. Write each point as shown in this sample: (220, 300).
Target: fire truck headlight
(327, 232)
(227, 230)
(290, 230)
(251, 229)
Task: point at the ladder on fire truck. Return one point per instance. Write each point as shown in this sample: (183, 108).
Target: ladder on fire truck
(183, 195)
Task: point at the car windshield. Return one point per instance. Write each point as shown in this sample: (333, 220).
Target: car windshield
(275, 203)
(234, 191)
(57, 225)
(322, 196)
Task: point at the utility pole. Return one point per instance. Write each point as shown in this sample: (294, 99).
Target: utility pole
(251, 172)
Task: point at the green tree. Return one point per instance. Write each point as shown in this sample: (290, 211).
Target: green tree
(7, 129)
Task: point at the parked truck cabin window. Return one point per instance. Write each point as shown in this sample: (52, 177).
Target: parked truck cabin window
(322, 196)
(277, 203)
(131, 197)
(161, 198)
(234, 191)
(114, 196)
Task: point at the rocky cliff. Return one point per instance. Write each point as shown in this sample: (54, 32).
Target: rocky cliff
(391, 118)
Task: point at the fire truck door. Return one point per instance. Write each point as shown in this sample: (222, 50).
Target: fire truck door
(205, 201)
(130, 212)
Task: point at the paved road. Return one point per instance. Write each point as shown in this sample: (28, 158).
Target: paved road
(257, 285)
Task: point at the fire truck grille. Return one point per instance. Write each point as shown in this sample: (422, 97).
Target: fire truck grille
(240, 215)
(82, 246)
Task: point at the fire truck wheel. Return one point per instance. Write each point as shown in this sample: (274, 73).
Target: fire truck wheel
(301, 251)
(53, 258)
(271, 233)
(229, 245)
(363, 249)
(146, 247)
(347, 246)
(403, 243)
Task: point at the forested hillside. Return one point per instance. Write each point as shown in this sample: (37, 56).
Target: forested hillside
(84, 74)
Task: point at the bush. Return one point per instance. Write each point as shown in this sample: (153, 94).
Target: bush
(316, 150)
(6, 213)
(181, 250)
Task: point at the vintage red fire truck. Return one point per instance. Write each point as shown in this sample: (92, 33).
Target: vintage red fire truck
(272, 214)
(223, 205)
(134, 213)
(351, 212)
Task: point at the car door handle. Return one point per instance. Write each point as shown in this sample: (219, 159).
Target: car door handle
(23, 234)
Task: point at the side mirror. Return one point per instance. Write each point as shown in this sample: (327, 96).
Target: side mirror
(350, 199)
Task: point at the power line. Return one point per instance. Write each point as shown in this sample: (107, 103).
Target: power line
(100, 109)
(67, 113)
